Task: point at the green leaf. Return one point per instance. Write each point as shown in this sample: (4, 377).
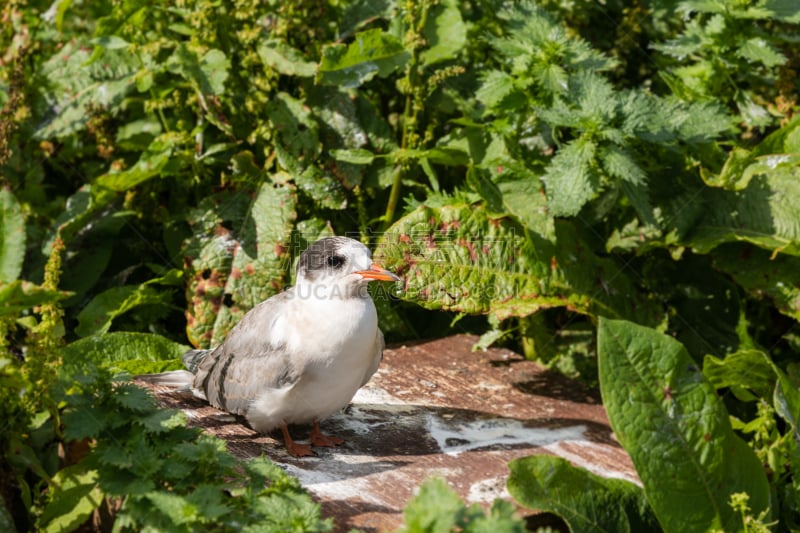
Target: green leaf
(758, 50)
(20, 295)
(664, 412)
(358, 156)
(150, 164)
(463, 258)
(279, 55)
(766, 213)
(232, 270)
(445, 32)
(12, 237)
(73, 84)
(99, 313)
(763, 275)
(437, 509)
(124, 351)
(372, 52)
(497, 85)
(569, 178)
(585, 501)
(207, 73)
(74, 498)
(742, 371)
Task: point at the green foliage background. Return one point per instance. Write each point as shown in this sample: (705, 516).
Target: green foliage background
(536, 171)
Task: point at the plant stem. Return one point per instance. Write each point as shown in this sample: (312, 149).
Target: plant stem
(412, 106)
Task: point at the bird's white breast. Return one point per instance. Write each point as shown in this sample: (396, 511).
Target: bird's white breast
(335, 341)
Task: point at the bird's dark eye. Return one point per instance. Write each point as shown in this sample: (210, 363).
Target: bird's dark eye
(335, 261)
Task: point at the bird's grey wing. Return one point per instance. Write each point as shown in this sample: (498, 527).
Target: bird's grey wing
(376, 360)
(249, 361)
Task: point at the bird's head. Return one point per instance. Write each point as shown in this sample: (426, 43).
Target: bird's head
(339, 262)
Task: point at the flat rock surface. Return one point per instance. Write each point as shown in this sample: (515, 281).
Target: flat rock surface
(433, 408)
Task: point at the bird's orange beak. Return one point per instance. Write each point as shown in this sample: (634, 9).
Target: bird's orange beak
(378, 272)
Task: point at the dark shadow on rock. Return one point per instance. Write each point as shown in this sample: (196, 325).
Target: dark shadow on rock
(552, 384)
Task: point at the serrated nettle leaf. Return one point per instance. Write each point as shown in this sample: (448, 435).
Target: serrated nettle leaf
(758, 50)
(620, 164)
(445, 32)
(462, 258)
(495, 87)
(663, 411)
(74, 84)
(372, 52)
(525, 199)
(279, 55)
(12, 237)
(585, 501)
(569, 179)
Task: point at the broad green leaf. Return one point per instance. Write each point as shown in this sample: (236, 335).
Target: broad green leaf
(462, 258)
(345, 125)
(445, 32)
(761, 274)
(585, 501)
(766, 213)
(372, 52)
(124, 351)
(149, 165)
(322, 187)
(283, 58)
(742, 371)
(358, 156)
(664, 412)
(232, 270)
(75, 496)
(207, 74)
(296, 128)
(12, 237)
(360, 13)
(96, 317)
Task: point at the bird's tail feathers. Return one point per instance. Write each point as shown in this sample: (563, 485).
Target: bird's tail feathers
(180, 380)
(193, 358)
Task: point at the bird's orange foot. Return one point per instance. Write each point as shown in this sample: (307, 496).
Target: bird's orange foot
(318, 438)
(295, 449)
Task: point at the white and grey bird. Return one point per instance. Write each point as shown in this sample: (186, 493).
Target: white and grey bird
(301, 355)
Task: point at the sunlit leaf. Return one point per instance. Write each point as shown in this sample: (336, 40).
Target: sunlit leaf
(678, 420)
(12, 237)
(372, 52)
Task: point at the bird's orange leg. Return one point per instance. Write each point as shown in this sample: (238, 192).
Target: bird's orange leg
(294, 449)
(320, 439)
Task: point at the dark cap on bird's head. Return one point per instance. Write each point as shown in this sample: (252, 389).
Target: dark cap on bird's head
(337, 257)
